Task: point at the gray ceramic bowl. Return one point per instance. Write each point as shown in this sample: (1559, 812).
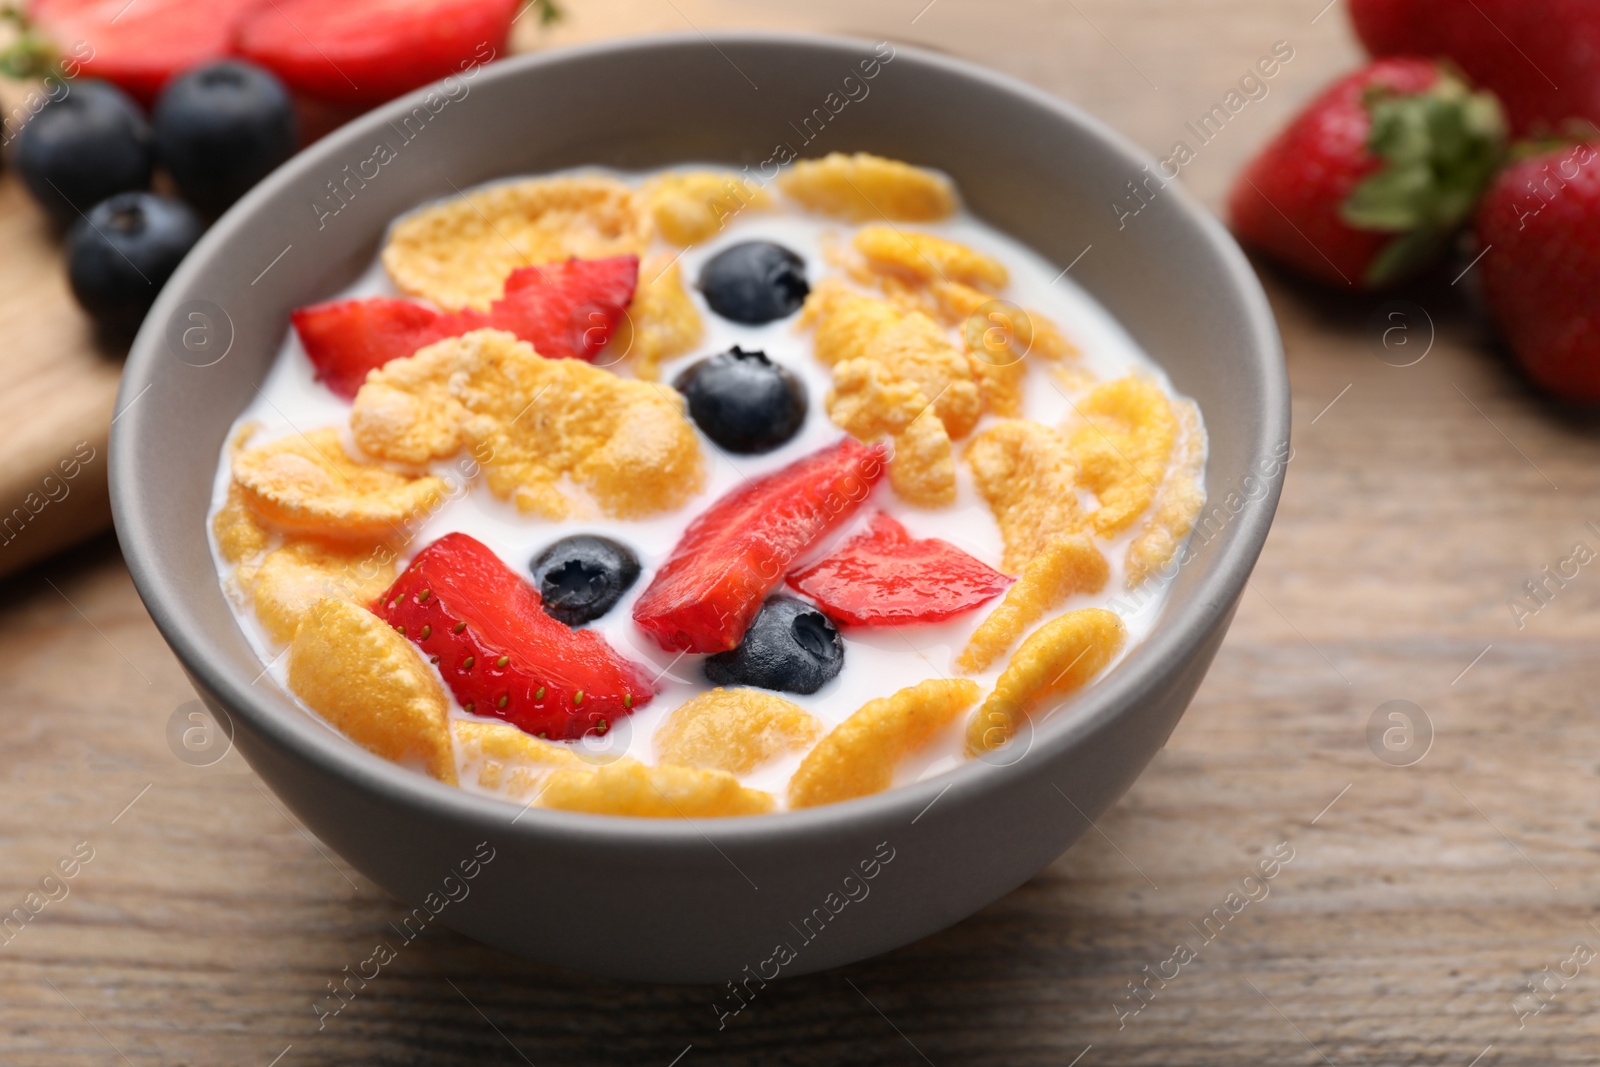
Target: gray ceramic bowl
(669, 900)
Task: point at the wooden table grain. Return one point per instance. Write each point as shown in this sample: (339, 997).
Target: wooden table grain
(1438, 913)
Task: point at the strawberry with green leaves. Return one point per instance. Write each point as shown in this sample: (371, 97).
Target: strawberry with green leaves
(1537, 57)
(1368, 183)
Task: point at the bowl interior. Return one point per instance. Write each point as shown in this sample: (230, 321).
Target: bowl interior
(1024, 162)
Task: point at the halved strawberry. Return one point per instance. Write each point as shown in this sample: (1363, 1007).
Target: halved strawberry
(369, 51)
(347, 338)
(706, 594)
(885, 578)
(141, 45)
(498, 651)
(565, 310)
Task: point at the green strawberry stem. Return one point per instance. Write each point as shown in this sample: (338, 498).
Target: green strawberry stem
(1440, 149)
(30, 54)
(549, 12)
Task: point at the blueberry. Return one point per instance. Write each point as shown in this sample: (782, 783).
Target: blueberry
(743, 401)
(791, 647)
(83, 147)
(222, 128)
(754, 282)
(122, 253)
(581, 578)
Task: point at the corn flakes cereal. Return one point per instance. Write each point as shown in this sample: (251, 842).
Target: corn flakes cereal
(863, 186)
(923, 467)
(858, 756)
(533, 423)
(691, 206)
(867, 403)
(508, 761)
(1122, 448)
(661, 323)
(924, 258)
(1180, 501)
(1069, 564)
(351, 668)
(1026, 473)
(628, 787)
(459, 252)
(734, 730)
(911, 347)
(1060, 657)
(307, 483)
(295, 578)
(239, 533)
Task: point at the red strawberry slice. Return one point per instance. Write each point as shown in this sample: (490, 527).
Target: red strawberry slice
(140, 46)
(565, 310)
(498, 651)
(369, 51)
(1368, 183)
(347, 338)
(885, 578)
(706, 594)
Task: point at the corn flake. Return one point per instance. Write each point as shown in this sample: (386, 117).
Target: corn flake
(239, 534)
(1026, 473)
(923, 258)
(628, 787)
(662, 323)
(858, 756)
(911, 347)
(506, 760)
(459, 251)
(734, 730)
(1069, 564)
(1180, 501)
(307, 483)
(1122, 446)
(923, 467)
(351, 668)
(532, 423)
(1060, 657)
(293, 579)
(861, 186)
(692, 206)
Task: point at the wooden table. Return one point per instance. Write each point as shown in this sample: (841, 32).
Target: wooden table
(1420, 900)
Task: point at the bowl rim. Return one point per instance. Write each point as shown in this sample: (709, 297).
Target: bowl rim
(1181, 629)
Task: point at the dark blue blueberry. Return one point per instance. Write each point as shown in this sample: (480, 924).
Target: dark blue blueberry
(83, 147)
(581, 578)
(222, 128)
(791, 647)
(122, 253)
(754, 282)
(743, 401)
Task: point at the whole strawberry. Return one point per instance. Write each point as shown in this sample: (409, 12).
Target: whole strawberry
(1540, 227)
(1540, 57)
(1369, 181)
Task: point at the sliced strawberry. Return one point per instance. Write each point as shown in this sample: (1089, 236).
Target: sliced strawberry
(706, 594)
(369, 51)
(347, 338)
(500, 654)
(885, 578)
(141, 45)
(565, 310)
